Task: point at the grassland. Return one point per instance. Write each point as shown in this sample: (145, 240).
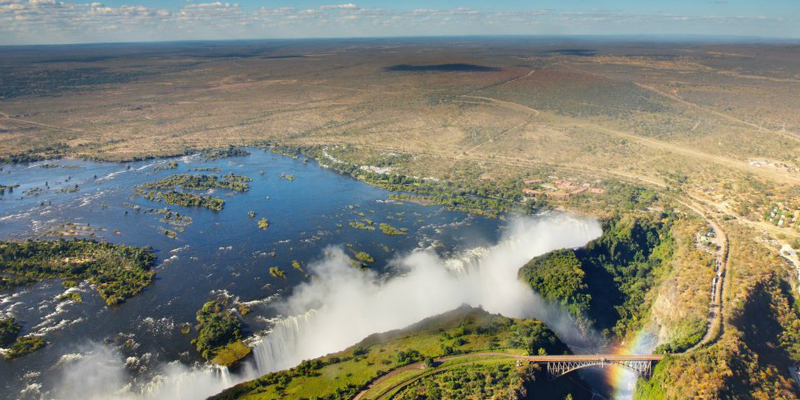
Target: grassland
(462, 331)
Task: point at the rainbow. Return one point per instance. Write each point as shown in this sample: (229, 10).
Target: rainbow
(622, 380)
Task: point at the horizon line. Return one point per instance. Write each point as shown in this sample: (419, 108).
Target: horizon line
(642, 37)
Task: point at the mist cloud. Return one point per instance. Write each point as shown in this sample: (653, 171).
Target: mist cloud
(341, 305)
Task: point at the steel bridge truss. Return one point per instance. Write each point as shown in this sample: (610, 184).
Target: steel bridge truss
(557, 369)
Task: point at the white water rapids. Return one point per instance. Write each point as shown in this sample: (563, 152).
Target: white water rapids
(341, 305)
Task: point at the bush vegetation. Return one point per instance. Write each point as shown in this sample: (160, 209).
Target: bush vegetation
(277, 272)
(231, 151)
(491, 381)
(219, 333)
(183, 199)
(9, 188)
(391, 230)
(36, 154)
(342, 375)
(9, 330)
(237, 183)
(10, 282)
(760, 339)
(367, 226)
(606, 283)
(117, 271)
(364, 257)
(165, 167)
(24, 346)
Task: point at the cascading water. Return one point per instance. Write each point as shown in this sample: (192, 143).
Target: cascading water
(350, 305)
(279, 349)
(341, 305)
(224, 375)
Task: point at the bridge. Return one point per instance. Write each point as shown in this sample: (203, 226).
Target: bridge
(557, 366)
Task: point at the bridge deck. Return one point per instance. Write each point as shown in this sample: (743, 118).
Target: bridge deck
(595, 357)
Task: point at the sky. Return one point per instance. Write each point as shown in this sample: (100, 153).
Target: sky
(56, 22)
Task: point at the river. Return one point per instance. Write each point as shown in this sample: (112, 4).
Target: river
(137, 349)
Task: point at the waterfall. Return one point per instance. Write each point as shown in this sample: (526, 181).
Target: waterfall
(224, 375)
(279, 349)
(342, 305)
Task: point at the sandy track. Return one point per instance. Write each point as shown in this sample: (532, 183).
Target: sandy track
(24, 121)
(729, 117)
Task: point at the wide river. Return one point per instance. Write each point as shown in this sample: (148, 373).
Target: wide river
(96, 351)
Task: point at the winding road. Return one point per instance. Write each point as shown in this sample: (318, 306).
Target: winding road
(420, 366)
(715, 325)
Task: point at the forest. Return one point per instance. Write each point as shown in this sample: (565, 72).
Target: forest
(605, 284)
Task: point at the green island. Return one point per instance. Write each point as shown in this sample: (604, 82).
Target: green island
(117, 271)
(364, 257)
(233, 182)
(296, 265)
(52, 166)
(168, 232)
(9, 188)
(183, 199)
(69, 284)
(441, 346)
(17, 346)
(70, 296)
(219, 338)
(263, 224)
(174, 218)
(391, 230)
(25, 345)
(70, 189)
(230, 151)
(365, 225)
(288, 177)
(167, 166)
(277, 272)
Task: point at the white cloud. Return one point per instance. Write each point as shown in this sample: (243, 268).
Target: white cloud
(50, 21)
(348, 6)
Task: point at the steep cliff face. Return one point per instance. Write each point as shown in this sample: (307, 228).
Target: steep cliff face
(606, 284)
(760, 338)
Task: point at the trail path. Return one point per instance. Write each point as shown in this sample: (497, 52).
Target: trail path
(715, 112)
(24, 121)
(654, 144)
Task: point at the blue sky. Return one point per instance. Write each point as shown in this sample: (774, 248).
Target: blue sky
(52, 21)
